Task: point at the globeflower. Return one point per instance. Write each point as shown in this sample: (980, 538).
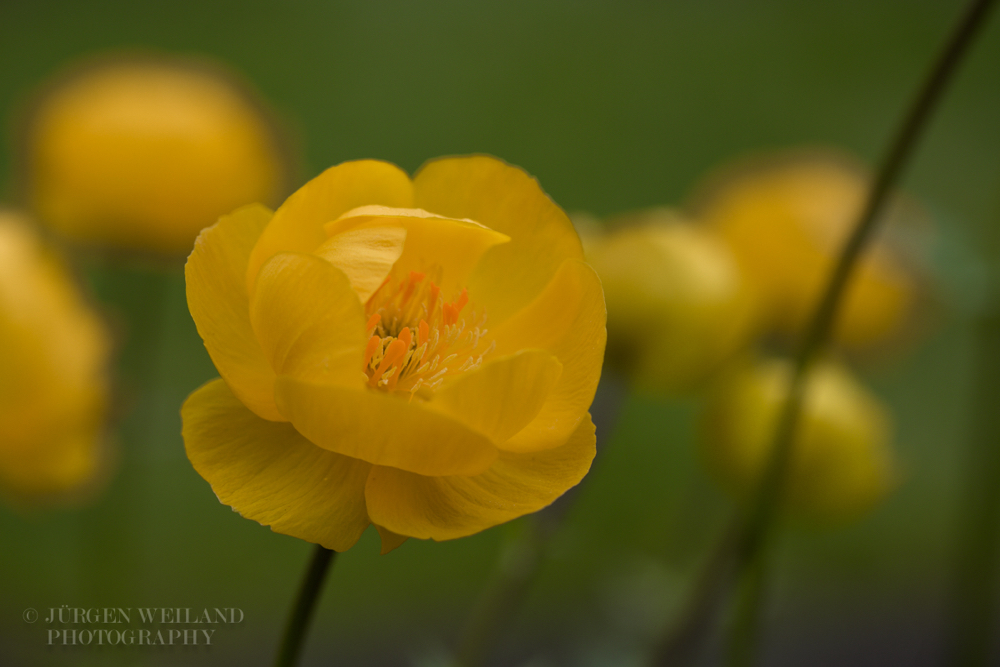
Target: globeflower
(53, 378)
(415, 354)
(785, 218)
(679, 307)
(841, 461)
(143, 153)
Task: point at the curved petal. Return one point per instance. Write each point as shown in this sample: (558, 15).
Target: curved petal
(269, 473)
(297, 225)
(309, 321)
(508, 200)
(431, 240)
(443, 508)
(503, 396)
(215, 275)
(380, 428)
(366, 256)
(567, 319)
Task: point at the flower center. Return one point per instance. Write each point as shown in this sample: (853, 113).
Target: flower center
(417, 339)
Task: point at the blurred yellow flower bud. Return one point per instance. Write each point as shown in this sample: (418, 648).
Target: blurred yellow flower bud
(786, 218)
(841, 461)
(53, 383)
(678, 306)
(144, 154)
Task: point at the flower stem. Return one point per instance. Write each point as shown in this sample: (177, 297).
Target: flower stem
(817, 334)
(298, 622)
(739, 554)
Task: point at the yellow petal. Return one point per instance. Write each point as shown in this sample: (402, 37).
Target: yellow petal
(390, 540)
(269, 473)
(215, 274)
(508, 200)
(503, 396)
(443, 508)
(308, 320)
(297, 225)
(568, 320)
(384, 429)
(431, 240)
(365, 256)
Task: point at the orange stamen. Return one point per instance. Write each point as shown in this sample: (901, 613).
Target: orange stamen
(373, 322)
(415, 277)
(393, 353)
(406, 336)
(450, 314)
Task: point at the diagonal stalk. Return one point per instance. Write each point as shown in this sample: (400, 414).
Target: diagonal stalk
(740, 557)
(817, 335)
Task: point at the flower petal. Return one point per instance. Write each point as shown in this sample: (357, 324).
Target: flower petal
(215, 275)
(567, 319)
(297, 225)
(269, 473)
(431, 240)
(309, 320)
(380, 428)
(503, 396)
(508, 200)
(365, 256)
(443, 508)
(390, 540)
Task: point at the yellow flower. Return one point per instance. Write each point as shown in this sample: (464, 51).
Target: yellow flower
(678, 305)
(786, 218)
(144, 154)
(416, 354)
(53, 383)
(841, 459)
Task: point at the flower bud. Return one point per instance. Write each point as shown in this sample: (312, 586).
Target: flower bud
(53, 383)
(678, 306)
(840, 464)
(144, 154)
(786, 220)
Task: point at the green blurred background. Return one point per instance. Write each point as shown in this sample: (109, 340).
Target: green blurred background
(613, 106)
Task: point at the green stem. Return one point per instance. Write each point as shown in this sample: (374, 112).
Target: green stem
(817, 334)
(740, 551)
(298, 622)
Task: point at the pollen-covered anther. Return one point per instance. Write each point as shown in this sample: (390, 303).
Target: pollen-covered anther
(416, 339)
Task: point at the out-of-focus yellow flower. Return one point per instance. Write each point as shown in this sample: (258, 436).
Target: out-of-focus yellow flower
(53, 383)
(417, 354)
(786, 219)
(144, 154)
(678, 305)
(841, 461)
